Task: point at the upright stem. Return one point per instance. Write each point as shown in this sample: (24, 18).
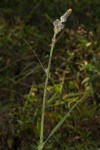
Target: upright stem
(45, 92)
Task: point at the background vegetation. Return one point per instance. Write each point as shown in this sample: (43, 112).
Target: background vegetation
(26, 31)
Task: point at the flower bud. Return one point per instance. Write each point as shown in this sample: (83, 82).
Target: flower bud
(65, 16)
(58, 24)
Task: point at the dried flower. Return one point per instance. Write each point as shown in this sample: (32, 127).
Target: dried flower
(58, 24)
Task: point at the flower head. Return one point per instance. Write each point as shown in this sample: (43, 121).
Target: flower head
(58, 24)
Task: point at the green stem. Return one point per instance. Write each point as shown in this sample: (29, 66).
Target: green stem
(45, 92)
